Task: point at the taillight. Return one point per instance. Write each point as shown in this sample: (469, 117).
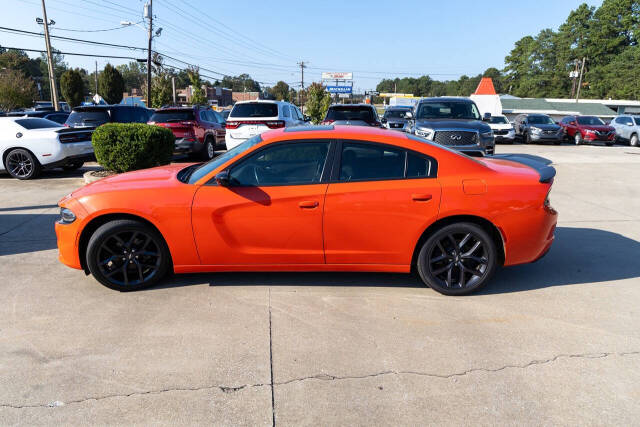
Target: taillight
(275, 124)
(327, 122)
(232, 125)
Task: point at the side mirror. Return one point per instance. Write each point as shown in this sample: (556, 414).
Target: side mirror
(307, 118)
(408, 115)
(383, 120)
(573, 123)
(486, 117)
(223, 179)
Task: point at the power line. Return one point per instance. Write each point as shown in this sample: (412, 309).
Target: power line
(93, 31)
(73, 53)
(15, 30)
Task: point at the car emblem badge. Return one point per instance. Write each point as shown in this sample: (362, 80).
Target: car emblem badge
(456, 137)
(19, 135)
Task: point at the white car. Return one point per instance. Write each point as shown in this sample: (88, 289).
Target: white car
(503, 131)
(627, 129)
(30, 144)
(250, 118)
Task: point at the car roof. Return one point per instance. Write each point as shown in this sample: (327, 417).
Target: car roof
(399, 107)
(445, 98)
(329, 131)
(351, 105)
(105, 107)
(262, 101)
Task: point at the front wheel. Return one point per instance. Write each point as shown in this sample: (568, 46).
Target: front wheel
(457, 259)
(634, 140)
(578, 139)
(525, 138)
(21, 164)
(127, 255)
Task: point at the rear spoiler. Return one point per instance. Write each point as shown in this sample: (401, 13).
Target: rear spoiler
(540, 164)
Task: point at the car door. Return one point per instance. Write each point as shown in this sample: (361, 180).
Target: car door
(380, 200)
(219, 126)
(271, 213)
(572, 126)
(625, 127)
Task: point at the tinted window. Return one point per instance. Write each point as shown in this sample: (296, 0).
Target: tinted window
(217, 118)
(637, 120)
(350, 113)
(58, 118)
(448, 110)
(285, 111)
(129, 115)
(541, 120)
(298, 114)
(418, 166)
(590, 120)
(498, 120)
(395, 114)
(95, 117)
(167, 116)
(257, 109)
(370, 162)
(211, 165)
(283, 164)
(37, 123)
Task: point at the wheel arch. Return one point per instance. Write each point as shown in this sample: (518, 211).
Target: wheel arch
(487, 225)
(97, 222)
(6, 152)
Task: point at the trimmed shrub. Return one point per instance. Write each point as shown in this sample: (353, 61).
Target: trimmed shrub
(123, 147)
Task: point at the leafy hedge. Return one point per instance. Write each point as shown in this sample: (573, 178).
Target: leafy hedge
(123, 147)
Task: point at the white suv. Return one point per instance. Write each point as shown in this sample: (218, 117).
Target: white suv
(250, 118)
(627, 129)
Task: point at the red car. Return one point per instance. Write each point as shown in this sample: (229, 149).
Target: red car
(198, 130)
(322, 198)
(588, 129)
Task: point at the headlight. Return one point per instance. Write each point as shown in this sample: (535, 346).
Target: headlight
(425, 132)
(66, 216)
(487, 134)
(536, 130)
(511, 132)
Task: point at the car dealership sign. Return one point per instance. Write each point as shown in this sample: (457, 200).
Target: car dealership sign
(337, 76)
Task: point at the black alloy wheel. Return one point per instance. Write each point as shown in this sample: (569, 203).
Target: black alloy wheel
(127, 255)
(22, 164)
(457, 259)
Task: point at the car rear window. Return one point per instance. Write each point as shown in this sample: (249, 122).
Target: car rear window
(255, 110)
(395, 114)
(37, 123)
(130, 115)
(95, 117)
(350, 113)
(167, 116)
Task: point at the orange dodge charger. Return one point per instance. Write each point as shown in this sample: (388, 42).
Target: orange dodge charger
(319, 198)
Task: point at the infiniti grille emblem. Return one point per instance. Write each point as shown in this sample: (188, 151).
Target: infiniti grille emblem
(456, 137)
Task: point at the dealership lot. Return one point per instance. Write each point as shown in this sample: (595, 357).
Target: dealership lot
(548, 343)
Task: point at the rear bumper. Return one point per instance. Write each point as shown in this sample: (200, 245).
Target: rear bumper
(70, 160)
(188, 145)
(526, 246)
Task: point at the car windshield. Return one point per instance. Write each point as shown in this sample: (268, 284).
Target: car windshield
(541, 120)
(498, 120)
(167, 116)
(350, 113)
(37, 123)
(448, 110)
(589, 121)
(395, 114)
(88, 118)
(205, 168)
(254, 109)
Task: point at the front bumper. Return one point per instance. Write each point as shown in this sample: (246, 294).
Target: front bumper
(602, 138)
(542, 137)
(68, 235)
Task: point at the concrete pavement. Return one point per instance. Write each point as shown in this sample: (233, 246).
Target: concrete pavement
(556, 342)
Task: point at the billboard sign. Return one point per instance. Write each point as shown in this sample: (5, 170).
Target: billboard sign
(337, 76)
(339, 89)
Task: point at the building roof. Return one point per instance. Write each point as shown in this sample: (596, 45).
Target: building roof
(541, 105)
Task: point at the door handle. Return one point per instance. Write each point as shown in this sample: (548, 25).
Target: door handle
(421, 197)
(308, 204)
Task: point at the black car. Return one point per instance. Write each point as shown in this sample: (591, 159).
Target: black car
(352, 114)
(538, 128)
(49, 114)
(96, 115)
(454, 122)
(395, 117)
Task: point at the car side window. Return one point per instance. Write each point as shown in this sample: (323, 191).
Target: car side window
(285, 111)
(419, 166)
(362, 162)
(296, 163)
(217, 118)
(628, 121)
(203, 116)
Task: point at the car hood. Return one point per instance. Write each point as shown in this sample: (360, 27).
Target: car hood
(153, 178)
(599, 128)
(453, 124)
(546, 126)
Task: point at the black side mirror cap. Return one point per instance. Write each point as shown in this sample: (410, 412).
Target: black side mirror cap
(486, 117)
(223, 179)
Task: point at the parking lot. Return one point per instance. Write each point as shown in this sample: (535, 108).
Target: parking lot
(555, 342)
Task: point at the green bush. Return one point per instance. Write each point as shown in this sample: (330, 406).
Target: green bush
(123, 147)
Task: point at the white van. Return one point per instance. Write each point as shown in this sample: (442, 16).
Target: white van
(250, 118)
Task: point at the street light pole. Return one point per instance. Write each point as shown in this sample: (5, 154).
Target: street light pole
(150, 13)
(580, 81)
(52, 77)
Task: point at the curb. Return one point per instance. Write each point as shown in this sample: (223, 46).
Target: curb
(92, 176)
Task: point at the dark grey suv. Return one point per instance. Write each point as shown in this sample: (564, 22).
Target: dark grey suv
(454, 122)
(395, 117)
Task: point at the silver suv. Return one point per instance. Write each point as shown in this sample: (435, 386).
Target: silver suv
(627, 129)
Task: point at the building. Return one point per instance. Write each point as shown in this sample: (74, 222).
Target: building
(556, 109)
(216, 96)
(246, 96)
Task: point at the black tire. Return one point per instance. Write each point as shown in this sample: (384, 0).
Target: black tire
(21, 164)
(525, 138)
(72, 166)
(119, 241)
(633, 141)
(209, 149)
(474, 255)
(609, 143)
(577, 138)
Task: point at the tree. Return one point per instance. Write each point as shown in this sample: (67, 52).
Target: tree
(72, 87)
(280, 91)
(134, 75)
(161, 90)
(197, 94)
(59, 67)
(241, 83)
(318, 101)
(111, 85)
(16, 90)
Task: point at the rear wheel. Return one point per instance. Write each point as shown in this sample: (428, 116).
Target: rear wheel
(21, 164)
(209, 149)
(457, 259)
(525, 138)
(127, 255)
(578, 139)
(634, 140)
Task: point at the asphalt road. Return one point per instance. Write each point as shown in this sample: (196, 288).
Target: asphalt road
(556, 342)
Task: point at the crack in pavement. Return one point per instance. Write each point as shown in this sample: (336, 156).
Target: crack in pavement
(328, 377)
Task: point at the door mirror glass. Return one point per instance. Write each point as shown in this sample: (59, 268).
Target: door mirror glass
(223, 179)
(486, 117)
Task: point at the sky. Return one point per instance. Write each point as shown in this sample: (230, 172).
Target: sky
(373, 39)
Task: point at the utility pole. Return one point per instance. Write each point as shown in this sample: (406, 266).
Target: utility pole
(302, 67)
(96, 79)
(173, 87)
(52, 77)
(580, 81)
(149, 15)
(574, 76)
